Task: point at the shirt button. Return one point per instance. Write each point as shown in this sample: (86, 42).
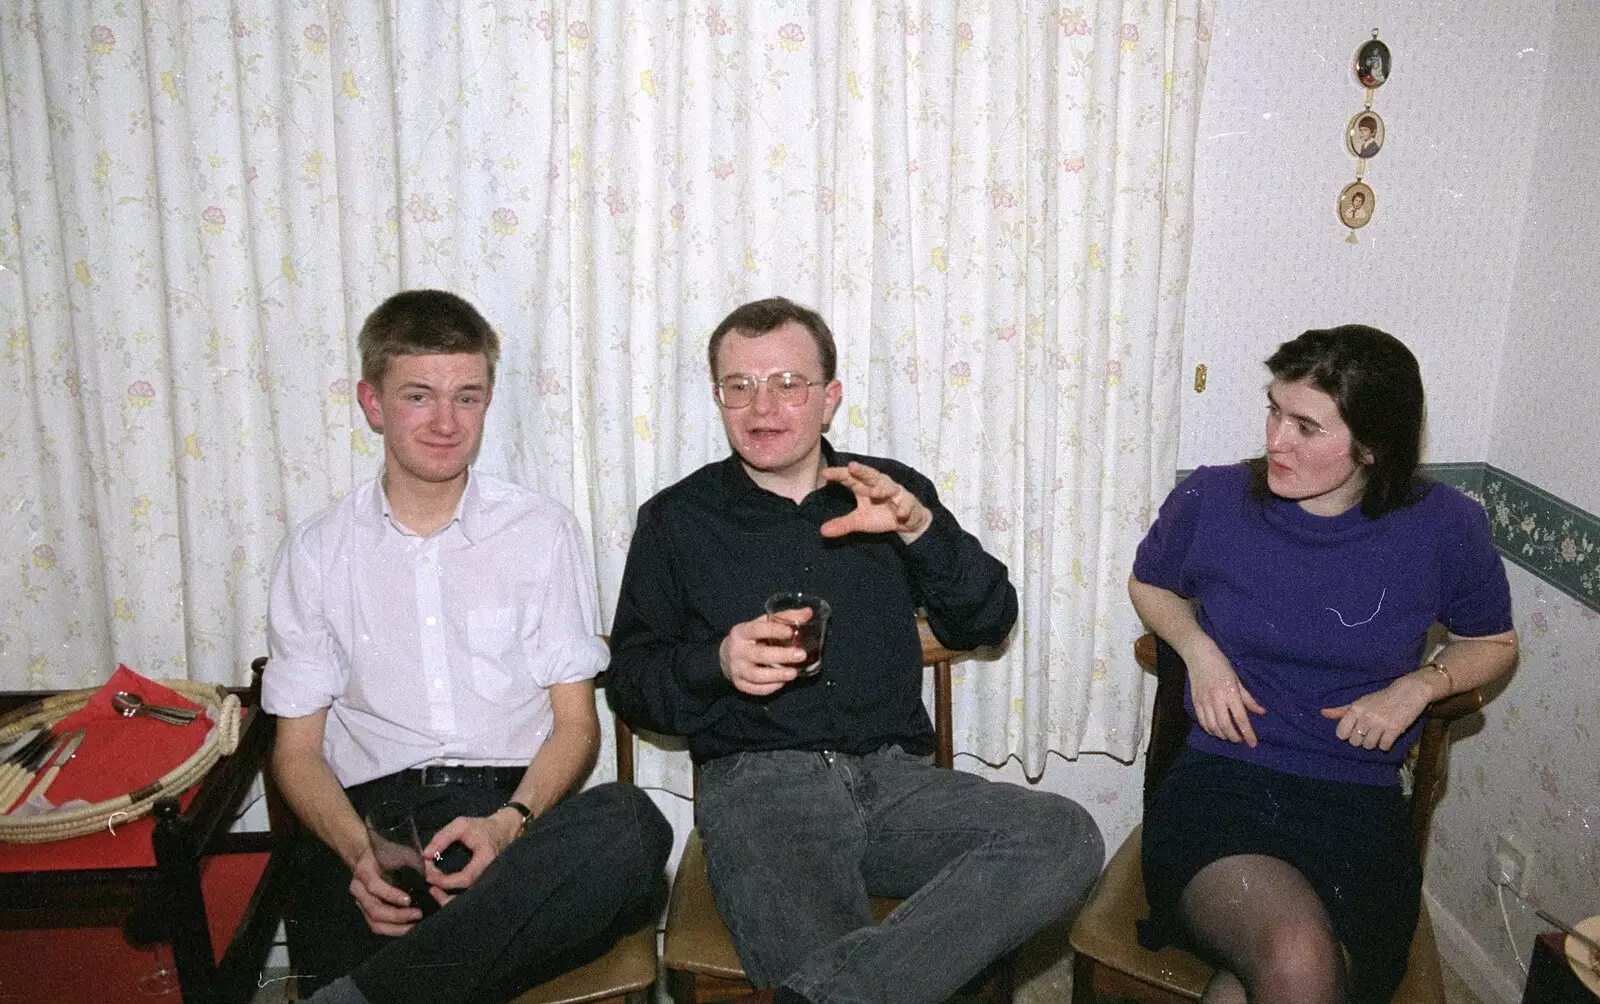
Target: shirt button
(808, 569)
(431, 621)
(438, 685)
(828, 683)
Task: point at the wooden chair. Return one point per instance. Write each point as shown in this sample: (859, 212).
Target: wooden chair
(698, 955)
(1110, 962)
(626, 972)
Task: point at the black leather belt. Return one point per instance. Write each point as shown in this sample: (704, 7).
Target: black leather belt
(438, 775)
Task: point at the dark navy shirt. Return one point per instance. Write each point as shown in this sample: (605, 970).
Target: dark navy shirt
(706, 554)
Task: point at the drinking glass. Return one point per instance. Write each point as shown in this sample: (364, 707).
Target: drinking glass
(162, 981)
(398, 850)
(805, 634)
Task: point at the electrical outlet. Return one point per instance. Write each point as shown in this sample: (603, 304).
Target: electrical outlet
(1509, 864)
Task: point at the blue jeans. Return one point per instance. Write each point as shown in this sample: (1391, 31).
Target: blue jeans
(795, 843)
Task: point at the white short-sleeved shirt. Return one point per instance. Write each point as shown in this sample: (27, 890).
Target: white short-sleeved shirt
(433, 649)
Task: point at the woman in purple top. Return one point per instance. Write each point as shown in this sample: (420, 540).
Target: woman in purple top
(1299, 588)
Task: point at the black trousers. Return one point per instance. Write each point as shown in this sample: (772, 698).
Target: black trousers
(585, 873)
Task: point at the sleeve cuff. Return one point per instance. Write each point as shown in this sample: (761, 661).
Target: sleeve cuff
(279, 697)
(699, 670)
(579, 658)
(935, 549)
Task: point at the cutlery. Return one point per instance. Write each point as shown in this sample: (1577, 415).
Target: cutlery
(128, 704)
(13, 747)
(15, 763)
(1572, 932)
(19, 781)
(59, 760)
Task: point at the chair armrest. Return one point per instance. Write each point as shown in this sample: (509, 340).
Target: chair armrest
(1144, 651)
(1448, 709)
(624, 735)
(1431, 768)
(1169, 722)
(934, 650)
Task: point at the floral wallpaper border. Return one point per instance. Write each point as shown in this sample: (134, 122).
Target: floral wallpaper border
(1548, 536)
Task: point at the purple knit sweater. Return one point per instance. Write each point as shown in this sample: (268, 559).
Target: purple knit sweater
(1314, 611)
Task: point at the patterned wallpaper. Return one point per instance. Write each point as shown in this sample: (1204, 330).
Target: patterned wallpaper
(1526, 768)
(1530, 769)
(1551, 538)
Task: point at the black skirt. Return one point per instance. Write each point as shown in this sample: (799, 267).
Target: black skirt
(1352, 842)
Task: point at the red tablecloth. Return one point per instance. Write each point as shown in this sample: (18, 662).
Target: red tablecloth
(94, 965)
(129, 847)
(118, 755)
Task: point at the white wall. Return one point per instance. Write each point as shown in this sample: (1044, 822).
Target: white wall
(1484, 255)
(1435, 265)
(1528, 769)
(1547, 411)
(1532, 771)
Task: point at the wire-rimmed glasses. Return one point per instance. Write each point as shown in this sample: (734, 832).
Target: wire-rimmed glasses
(738, 390)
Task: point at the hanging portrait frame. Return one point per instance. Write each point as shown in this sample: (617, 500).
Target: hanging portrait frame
(1353, 214)
(1373, 64)
(1365, 134)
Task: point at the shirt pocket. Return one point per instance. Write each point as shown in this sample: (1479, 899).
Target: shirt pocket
(490, 637)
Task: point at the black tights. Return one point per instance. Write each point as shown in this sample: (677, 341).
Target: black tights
(1261, 923)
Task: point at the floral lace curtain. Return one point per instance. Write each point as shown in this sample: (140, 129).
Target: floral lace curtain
(201, 202)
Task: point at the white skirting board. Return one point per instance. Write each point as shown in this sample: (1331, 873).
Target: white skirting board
(1483, 971)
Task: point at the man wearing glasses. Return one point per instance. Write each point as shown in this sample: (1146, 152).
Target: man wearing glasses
(816, 792)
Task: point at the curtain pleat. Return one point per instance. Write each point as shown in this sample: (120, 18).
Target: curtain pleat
(989, 201)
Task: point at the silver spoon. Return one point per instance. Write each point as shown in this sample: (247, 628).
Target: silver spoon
(128, 705)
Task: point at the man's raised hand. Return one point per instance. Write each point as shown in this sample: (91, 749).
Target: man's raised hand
(883, 505)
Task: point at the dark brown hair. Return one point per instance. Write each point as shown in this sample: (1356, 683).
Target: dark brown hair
(422, 322)
(762, 316)
(1375, 381)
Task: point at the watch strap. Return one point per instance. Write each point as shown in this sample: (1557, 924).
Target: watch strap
(521, 810)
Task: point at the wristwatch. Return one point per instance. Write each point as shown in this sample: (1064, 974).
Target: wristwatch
(521, 810)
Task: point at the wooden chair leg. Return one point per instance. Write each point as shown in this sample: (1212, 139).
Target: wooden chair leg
(681, 987)
(1082, 979)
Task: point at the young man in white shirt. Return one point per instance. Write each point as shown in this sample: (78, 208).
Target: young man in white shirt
(432, 642)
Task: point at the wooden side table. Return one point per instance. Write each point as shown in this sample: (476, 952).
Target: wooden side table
(1550, 979)
(156, 887)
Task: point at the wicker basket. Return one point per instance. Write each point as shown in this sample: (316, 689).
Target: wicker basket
(222, 739)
